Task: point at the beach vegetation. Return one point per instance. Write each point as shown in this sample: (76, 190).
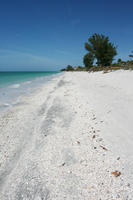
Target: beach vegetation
(101, 49)
(69, 68)
(131, 55)
(100, 56)
(119, 60)
(88, 60)
(62, 70)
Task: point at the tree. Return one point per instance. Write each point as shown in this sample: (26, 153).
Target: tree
(119, 60)
(69, 68)
(88, 60)
(131, 55)
(62, 70)
(101, 48)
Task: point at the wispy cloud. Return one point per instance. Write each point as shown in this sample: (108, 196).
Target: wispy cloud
(18, 58)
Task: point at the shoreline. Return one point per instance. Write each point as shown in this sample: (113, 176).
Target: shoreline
(11, 94)
(59, 143)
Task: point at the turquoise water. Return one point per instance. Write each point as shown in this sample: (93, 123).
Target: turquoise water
(8, 78)
(15, 85)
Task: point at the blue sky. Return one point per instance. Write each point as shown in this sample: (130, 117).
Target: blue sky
(50, 34)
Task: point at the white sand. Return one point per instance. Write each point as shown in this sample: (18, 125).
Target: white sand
(65, 140)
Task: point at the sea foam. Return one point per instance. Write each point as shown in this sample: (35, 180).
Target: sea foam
(15, 86)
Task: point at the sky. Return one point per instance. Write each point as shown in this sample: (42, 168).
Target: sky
(47, 35)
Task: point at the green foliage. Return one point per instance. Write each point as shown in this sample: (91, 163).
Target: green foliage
(131, 56)
(62, 70)
(79, 68)
(105, 69)
(96, 69)
(69, 68)
(101, 49)
(119, 60)
(88, 60)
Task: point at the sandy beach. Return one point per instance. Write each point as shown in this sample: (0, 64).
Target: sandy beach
(71, 139)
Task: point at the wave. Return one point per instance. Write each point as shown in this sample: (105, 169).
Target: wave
(6, 104)
(3, 105)
(27, 82)
(15, 86)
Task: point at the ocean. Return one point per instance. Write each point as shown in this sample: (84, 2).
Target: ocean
(14, 85)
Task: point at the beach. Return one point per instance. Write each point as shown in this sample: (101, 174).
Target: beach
(71, 138)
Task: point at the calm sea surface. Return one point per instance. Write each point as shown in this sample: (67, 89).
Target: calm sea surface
(8, 78)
